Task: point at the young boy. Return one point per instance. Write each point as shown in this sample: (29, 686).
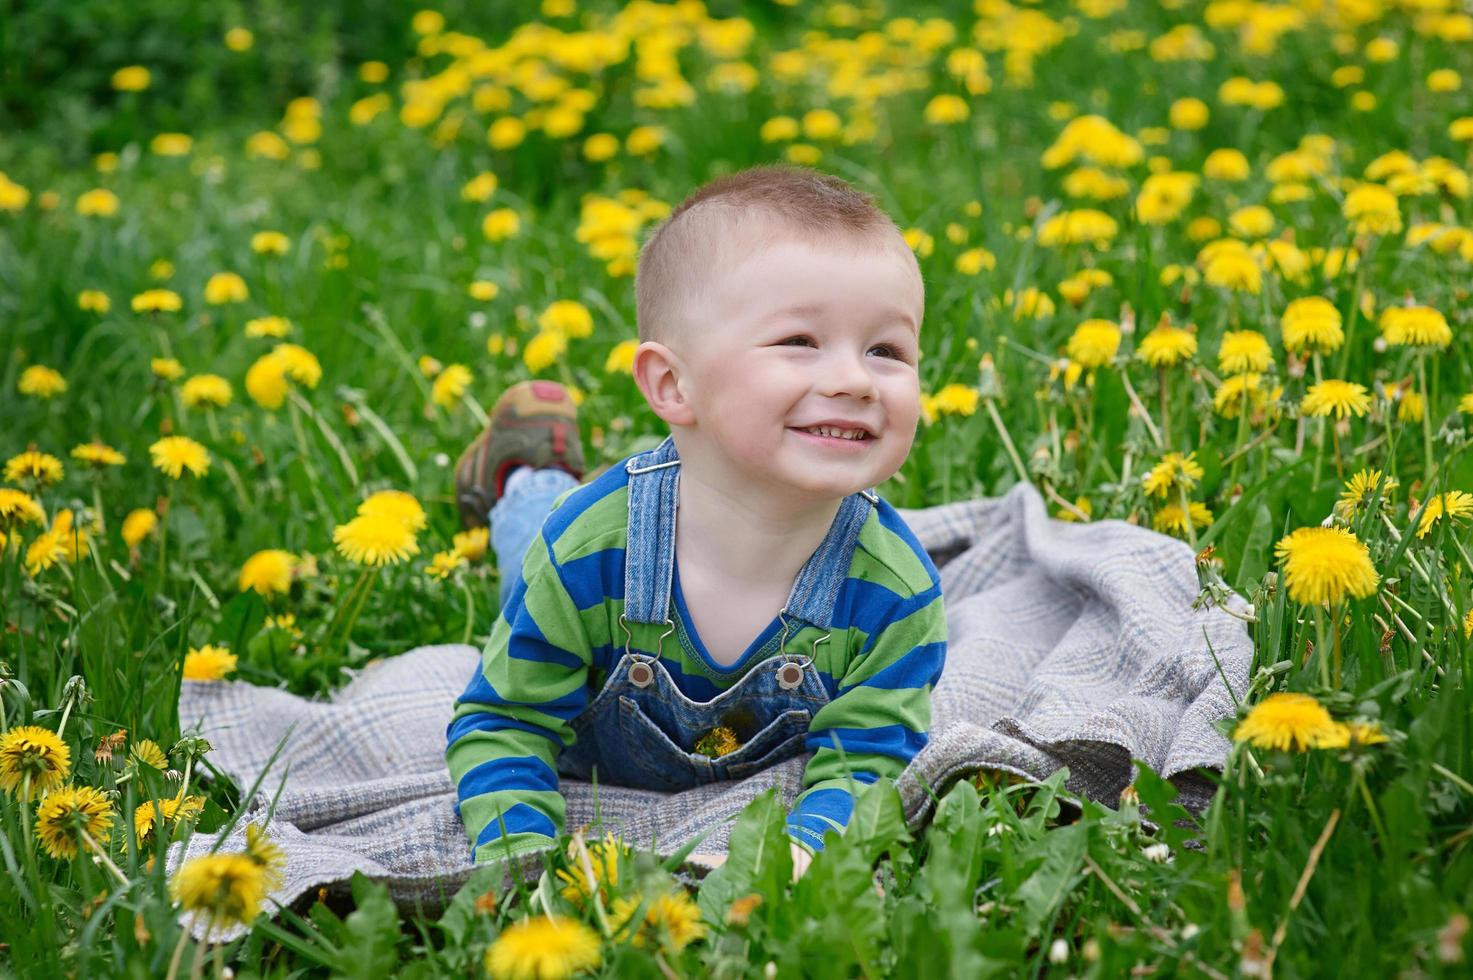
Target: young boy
(738, 595)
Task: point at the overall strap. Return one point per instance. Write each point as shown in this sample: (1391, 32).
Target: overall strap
(649, 553)
(817, 587)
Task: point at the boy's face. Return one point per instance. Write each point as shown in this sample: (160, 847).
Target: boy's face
(800, 335)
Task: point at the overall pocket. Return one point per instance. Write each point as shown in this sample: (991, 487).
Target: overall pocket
(651, 758)
(779, 741)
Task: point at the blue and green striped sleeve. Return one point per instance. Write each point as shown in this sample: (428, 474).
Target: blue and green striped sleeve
(879, 713)
(514, 717)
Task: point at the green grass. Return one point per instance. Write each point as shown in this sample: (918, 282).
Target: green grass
(1329, 862)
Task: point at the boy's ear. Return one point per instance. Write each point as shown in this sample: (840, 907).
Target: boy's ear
(658, 371)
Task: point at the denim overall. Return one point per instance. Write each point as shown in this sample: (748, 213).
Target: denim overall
(641, 730)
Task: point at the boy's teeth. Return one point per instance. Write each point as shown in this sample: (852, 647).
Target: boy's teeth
(836, 433)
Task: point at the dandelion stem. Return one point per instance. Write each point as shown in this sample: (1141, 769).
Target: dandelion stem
(102, 856)
(1319, 646)
(1165, 407)
(1238, 445)
(1365, 793)
(1007, 440)
(1186, 515)
(470, 610)
(1135, 400)
(1426, 413)
(1360, 280)
(178, 956)
(357, 608)
(1335, 632)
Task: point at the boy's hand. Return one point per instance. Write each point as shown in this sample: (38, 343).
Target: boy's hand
(708, 860)
(801, 860)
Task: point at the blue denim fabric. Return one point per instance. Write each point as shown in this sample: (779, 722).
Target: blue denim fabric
(517, 517)
(641, 730)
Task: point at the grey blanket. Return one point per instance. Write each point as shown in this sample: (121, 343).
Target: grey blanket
(1069, 644)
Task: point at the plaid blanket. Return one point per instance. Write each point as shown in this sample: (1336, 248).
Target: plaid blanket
(1069, 644)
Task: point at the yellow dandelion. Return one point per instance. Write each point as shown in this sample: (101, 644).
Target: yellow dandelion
(1359, 490)
(1238, 392)
(268, 326)
(300, 364)
(167, 813)
(172, 455)
(1288, 722)
(98, 202)
(206, 391)
(543, 350)
(1415, 326)
(225, 287)
(94, 300)
(18, 507)
(157, 301)
(443, 564)
(1325, 564)
(717, 742)
(672, 921)
(166, 368)
(270, 243)
(1242, 351)
(395, 505)
(375, 539)
(1453, 505)
(134, 78)
(40, 381)
(501, 224)
(567, 317)
(1373, 209)
(29, 750)
(268, 572)
(1167, 345)
(72, 817)
(955, 399)
(1173, 472)
(41, 469)
(543, 948)
(266, 383)
(471, 545)
(139, 524)
(1333, 396)
(621, 358)
(450, 385)
(603, 858)
(97, 455)
(483, 290)
(1094, 343)
(221, 888)
(147, 752)
(208, 663)
(1170, 519)
(1312, 324)
(1354, 733)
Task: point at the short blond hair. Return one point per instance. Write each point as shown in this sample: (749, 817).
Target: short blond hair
(723, 221)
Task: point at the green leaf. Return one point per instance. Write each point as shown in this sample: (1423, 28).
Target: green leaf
(460, 914)
(878, 822)
(371, 932)
(758, 859)
(1062, 854)
(1158, 803)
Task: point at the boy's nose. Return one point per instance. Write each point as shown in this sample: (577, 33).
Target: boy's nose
(846, 375)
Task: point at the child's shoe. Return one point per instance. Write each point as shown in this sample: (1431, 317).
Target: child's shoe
(533, 423)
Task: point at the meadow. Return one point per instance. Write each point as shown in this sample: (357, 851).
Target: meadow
(1203, 267)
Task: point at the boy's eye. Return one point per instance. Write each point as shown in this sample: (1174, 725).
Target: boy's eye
(888, 350)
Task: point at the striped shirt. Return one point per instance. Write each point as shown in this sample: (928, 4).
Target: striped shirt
(558, 637)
